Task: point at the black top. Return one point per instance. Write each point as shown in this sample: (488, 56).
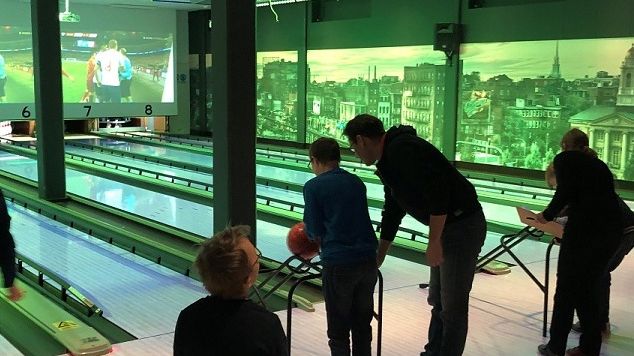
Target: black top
(235, 327)
(586, 186)
(627, 216)
(419, 180)
(7, 246)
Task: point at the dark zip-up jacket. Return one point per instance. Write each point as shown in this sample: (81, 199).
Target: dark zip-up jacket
(420, 181)
(586, 186)
(7, 246)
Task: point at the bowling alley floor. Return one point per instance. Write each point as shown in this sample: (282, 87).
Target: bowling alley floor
(505, 314)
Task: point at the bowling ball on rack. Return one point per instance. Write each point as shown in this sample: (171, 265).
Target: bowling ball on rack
(299, 244)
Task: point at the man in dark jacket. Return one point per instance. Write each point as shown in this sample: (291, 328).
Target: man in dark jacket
(7, 252)
(420, 181)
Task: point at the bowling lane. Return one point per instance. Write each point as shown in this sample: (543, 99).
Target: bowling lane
(166, 209)
(156, 151)
(355, 164)
(159, 168)
(188, 216)
(178, 213)
(7, 349)
(493, 212)
(136, 294)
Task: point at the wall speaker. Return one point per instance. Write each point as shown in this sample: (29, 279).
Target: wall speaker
(447, 37)
(476, 4)
(316, 10)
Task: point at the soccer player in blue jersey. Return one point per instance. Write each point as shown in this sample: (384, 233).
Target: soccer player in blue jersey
(125, 77)
(3, 79)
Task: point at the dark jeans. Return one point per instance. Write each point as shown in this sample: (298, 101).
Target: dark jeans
(111, 93)
(450, 285)
(349, 295)
(579, 275)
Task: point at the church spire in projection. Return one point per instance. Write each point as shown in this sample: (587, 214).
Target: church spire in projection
(625, 96)
(554, 72)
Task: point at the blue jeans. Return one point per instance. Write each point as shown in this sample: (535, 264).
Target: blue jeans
(349, 295)
(450, 285)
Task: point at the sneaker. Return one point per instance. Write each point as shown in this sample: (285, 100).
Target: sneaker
(544, 350)
(575, 351)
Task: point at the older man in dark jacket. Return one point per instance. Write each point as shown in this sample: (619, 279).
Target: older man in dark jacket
(420, 181)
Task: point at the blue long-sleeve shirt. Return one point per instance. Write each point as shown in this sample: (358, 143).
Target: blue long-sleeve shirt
(336, 212)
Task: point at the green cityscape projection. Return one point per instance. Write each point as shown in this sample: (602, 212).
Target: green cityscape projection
(517, 99)
(277, 95)
(399, 85)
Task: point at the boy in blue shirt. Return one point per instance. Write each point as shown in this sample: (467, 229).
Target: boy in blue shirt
(336, 214)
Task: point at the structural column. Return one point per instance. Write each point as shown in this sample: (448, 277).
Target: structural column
(450, 121)
(302, 86)
(48, 99)
(233, 75)
(606, 146)
(591, 138)
(624, 148)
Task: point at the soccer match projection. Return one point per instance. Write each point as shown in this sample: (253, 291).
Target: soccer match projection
(16, 70)
(115, 61)
(109, 72)
(117, 67)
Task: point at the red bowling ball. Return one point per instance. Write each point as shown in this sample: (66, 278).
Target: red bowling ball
(298, 243)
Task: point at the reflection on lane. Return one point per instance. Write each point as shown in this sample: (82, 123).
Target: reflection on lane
(165, 209)
(196, 218)
(493, 212)
(128, 288)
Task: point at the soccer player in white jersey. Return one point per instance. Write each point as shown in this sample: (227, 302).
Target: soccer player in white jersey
(110, 62)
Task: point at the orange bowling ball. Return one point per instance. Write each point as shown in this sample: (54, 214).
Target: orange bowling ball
(298, 243)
